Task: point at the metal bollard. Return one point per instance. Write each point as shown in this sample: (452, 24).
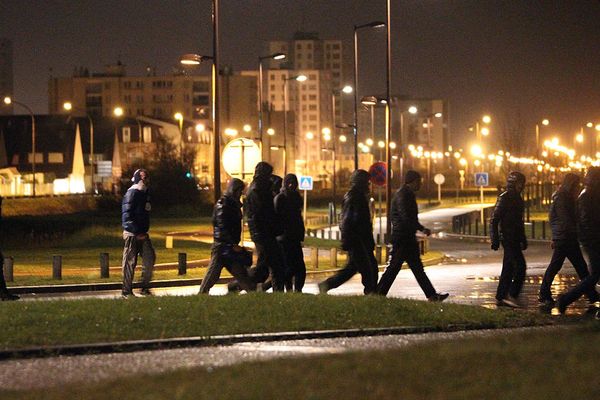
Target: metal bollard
(104, 266)
(477, 227)
(333, 257)
(169, 242)
(56, 267)
(314, 257)
(9, 263)
(543, 229)
(533, 229)
(378, 254)
(182, 264)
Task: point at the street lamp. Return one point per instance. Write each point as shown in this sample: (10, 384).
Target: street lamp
(179, 118)
(68, 106)
(196, 59)
(298, 78)
(544, 122)
(373, 24)
(275, 56)
(8, 101)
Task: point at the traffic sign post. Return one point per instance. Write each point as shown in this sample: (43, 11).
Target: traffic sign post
(482, 179)
(439, 179)
(305, 183)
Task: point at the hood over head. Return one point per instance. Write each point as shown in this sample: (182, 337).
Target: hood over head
(290, 182)
(570, 181)
(592, 177)
(263, 170)
(514, 179)
(235, 187)
(359, 180)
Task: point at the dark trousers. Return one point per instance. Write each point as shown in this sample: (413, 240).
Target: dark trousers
(269, 259)
(407, 250)
(566, 249)
(295, 269)
(218, 260)
(362, 260)
(134, 247)
(513, 271)
(589, 283)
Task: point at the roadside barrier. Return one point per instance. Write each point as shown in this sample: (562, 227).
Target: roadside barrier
(9, 263)
(57, 267)
(181, 264)
(104, 266)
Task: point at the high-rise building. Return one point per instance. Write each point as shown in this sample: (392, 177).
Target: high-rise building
(6, 73)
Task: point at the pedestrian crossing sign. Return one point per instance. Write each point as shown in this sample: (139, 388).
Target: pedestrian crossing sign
(482, 179)
(306, 183)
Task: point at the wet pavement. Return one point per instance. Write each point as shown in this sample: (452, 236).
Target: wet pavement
(58, 371)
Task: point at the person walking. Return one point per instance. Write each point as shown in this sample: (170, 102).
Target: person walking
(563, 221)
(264, 227)
(356, 228)
(227, 234)
(405, 224)
(288, 207)
(135, 211)
(507, 227)
(5, 295)
(588, 219)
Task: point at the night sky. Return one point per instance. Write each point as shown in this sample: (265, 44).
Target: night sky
(512, 59)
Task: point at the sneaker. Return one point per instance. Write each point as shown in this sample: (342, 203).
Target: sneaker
(146, 292)
(8, 297)
(510, 301)
(561, 305)
(438, 297)
(127, 295)
(546, 303)
(323, 287)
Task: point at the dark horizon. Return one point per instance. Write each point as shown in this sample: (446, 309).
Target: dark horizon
(515, 60)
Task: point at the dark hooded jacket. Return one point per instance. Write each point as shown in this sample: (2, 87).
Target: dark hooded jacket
(356, 225)
(227, 215)
(507, 224)
(588, 217)
(288, 207)
(259, 207)
(563, 211)
(404, 215)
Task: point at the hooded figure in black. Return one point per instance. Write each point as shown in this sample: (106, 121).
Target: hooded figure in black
(357, 236)
(405, 224)
(588, 219)
(227, 234)
(563, 221)
(264, 227)
(507, 227)
(288, 206)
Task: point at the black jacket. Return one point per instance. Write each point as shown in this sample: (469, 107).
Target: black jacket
(135, 210)
(507, 223)
(288, 207)
(356, 225)
(227, 221)
(588, 217)
(260, 211)
(404, 215)
(563, 216)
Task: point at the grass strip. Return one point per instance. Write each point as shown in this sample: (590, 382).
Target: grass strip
(42, 323)
(531, 365)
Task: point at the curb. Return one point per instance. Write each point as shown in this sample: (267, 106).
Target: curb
(218, 340)
(487, 238)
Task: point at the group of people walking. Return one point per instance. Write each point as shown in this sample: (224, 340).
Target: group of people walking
(574, 221)
(273, 208)
(274, 214)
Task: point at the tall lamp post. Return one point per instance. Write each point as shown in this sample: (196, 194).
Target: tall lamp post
(374, 24)
(68, 106)
(9, 101)
(388, 155)
(298, 78)
(196, 59)
(275, 56)
(179, 118)
(544, 122)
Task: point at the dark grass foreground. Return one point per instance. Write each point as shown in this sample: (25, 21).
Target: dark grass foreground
(533, 365)
(41, 323)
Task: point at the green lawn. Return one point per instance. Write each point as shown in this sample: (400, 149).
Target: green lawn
(533, 365)
(46, 322)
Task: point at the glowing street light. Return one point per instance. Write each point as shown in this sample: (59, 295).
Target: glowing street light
(118, 111)
(270, 131)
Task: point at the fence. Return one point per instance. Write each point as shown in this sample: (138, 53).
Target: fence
(469, 224)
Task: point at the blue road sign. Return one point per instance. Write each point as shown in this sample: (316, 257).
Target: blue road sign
(306, 183)
(482, 179)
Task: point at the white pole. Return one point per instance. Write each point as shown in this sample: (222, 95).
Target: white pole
(305, 194)
(481, 195)
(439, 193)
